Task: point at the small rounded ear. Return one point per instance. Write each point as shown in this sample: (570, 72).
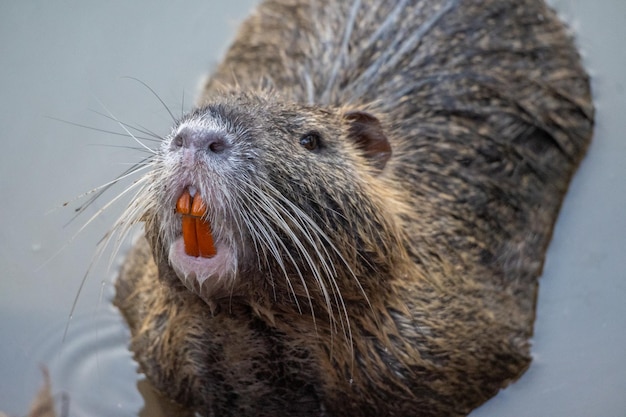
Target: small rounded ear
(367, 133)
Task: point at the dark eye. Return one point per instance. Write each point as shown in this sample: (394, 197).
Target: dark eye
(310, 141)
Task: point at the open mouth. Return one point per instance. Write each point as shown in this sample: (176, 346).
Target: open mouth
(206, 267)
(197, 235)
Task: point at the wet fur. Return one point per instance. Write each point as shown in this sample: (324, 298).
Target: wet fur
(407, 289)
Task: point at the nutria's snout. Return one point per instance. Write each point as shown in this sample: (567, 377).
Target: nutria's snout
(196, 229)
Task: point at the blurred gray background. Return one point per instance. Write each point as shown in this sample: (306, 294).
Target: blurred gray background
(69, 59)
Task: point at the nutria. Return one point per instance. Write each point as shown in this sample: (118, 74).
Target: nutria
(379, 183)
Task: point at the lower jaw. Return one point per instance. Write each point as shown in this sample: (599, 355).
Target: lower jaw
(207, 277)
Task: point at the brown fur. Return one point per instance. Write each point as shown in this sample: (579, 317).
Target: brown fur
(435, 190)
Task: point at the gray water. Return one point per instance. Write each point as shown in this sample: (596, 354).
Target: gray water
(65, 59)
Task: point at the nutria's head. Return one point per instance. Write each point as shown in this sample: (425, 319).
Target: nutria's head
(295, 197)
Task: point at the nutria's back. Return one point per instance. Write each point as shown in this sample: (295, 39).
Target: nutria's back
(382, 181)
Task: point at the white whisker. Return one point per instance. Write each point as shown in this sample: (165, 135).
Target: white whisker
(122, 125)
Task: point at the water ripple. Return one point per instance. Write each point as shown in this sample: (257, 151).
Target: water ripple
(93, 365)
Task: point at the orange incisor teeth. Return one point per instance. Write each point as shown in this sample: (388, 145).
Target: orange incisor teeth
(197, 234)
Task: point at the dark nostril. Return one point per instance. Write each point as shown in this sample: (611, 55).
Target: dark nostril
(178, 141)
(217, 146)
(214, 142)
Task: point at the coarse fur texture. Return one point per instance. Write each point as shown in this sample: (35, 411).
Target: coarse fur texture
(382, 179)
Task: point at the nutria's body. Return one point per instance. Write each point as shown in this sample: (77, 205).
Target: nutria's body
(382, 183)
